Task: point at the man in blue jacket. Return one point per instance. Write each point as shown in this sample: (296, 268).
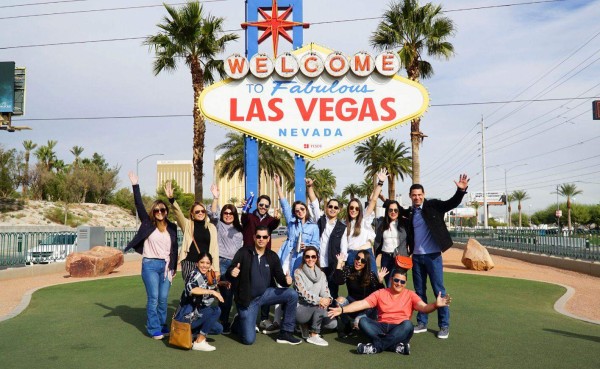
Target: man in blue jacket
(255, 273)
(428, 238)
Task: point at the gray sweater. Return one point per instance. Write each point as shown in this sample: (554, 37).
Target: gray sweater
(311, 285)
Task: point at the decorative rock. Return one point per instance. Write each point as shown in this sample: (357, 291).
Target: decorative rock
(476, 257)
(100, 260)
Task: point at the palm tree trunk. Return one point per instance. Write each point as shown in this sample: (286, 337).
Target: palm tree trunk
(509, 221)
(569, 213)
(392, 188)
(416, 137)
(199, 129)
(26, 175)
(519, 214)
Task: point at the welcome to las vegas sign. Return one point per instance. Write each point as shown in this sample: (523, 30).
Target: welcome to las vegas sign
(313, 101)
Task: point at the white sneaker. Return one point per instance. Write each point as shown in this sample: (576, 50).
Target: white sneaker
(317, 340)
(203, 346)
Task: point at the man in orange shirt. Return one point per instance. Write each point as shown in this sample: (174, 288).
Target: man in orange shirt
(392, 330)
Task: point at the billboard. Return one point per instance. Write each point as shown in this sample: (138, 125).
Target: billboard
(596, 109)
(313, 101)
(7, 87)
(493, 198)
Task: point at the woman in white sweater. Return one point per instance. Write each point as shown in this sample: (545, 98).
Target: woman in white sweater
(313, 298)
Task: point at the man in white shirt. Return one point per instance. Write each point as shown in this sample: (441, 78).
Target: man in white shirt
(332, 233)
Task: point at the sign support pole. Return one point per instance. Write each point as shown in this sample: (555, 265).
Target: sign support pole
(251, 144)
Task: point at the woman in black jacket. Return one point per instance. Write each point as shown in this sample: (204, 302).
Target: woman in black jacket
(360, 281)
(156, 240)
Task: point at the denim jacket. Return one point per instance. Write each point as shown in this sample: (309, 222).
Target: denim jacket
(310, 235)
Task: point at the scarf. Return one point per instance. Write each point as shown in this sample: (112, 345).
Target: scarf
(314, 275)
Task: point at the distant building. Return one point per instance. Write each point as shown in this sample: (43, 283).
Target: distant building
(181, 171)
(233, 190)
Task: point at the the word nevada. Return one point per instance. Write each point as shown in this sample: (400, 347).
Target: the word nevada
(311, 64)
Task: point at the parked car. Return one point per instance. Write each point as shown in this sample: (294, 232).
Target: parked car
(52, 248)
(280, 231)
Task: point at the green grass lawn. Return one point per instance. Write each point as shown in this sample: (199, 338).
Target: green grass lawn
(495, 323)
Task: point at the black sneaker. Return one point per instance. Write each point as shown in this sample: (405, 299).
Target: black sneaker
(226, 328)
(403, 348)
(366, 348)
(287, 337)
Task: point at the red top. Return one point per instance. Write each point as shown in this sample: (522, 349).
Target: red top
(393, 309)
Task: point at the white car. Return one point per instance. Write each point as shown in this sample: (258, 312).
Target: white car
(52, 248)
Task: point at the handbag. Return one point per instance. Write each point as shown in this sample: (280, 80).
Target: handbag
(181, 333)
(404, 262)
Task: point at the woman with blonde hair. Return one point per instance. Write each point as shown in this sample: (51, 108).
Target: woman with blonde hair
(199, 235)
(156, 240)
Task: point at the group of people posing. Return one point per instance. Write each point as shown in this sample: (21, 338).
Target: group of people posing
(228, 258)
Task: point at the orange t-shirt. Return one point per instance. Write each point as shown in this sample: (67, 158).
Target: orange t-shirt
(393, 309)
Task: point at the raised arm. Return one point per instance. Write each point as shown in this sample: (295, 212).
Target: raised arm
(313, 200)
(352, 308)
(213, 212)
(277, 181)
(454, 201)
(439, 302)
(137, 197)
(381, 176)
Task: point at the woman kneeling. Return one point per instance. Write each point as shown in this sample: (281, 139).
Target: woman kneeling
(195, 304)
(313, 298)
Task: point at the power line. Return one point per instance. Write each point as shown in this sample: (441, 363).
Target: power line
(99, 10)
(514, 101)
(545, 169)
(44, 3)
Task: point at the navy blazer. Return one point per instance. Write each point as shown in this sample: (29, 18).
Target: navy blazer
(433, 214)
(146, 229)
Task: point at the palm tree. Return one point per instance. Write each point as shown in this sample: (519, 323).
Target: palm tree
(271, 160)
(509, 198)
(76, 151)
(366, 153)
(46, 155)
(325, 183)
(394, 158)
(416, 30)
(366, 187)
(191, 35)
(29, 146)
(350, 191)
(520, 195)
(569, 190)
(475, 205)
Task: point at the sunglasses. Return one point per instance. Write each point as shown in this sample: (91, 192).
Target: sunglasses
(263, 205)
(160, 210)
(393, 210)
(360, 260)
(334, 207)
(398, 280)
(354, 208)
(300, 209)
(308, 257)
(227, 213)
(199, 212)
(258, 237)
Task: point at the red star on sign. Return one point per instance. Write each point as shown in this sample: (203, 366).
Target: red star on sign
(275, 24)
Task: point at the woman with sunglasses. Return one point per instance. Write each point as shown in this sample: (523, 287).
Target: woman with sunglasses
(230, 240)
(156, 240)
(199, 235)
(200, 290)
(360, 281)
(302, 231)
(313, 298)
(359, 229)
(391, 236)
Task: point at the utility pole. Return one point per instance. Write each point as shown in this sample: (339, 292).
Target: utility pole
(485, 204)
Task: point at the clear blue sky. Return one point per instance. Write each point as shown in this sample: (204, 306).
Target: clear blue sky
(500, 52)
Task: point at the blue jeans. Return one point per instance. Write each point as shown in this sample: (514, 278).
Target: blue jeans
(352, 255)
(385, 336)
(430, 265)
(208, 322)
(354, 318)
(388, 261)
(287, 297)
(157, 289)
(226, 293)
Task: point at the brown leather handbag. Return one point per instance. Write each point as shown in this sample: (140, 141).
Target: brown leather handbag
(181, 334)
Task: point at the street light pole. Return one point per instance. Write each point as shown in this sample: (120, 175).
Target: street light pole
(137, 173)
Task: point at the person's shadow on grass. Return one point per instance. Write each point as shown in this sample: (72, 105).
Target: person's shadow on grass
(573, 335)
(130, 315)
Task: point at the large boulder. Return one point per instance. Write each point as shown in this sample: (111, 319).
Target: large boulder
(476, 257)
(100, 260)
